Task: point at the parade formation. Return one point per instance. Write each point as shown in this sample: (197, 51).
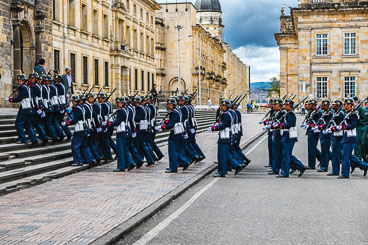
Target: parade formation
(338, 125)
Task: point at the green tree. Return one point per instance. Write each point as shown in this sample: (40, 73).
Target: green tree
(275, 87)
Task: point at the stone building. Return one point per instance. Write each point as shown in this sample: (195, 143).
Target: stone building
(108, 44)
(237, 75)
(202, 53)
(26, 37)
(324, 49)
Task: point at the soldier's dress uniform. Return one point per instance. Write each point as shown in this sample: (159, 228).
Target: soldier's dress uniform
(110, 131)
(313, 137)
(49, 110)
(152, 133)
(80, 150)
(224, 142)
(59, 115)
(174, 124)
(360, 149)
(137, 158)
(55, 118)
(325, 138)
(38, 122)
(348, 142)
(336, 155)
(276, 142)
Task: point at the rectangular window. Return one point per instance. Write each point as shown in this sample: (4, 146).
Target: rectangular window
(153, 79)
(128, 36)
(84, 17)
(71, 13)
(106, 74)
(135, 40)
(322, 44)
(96, 72)
(322, 87)
(57, 60)
(95, 22)
(148, 81)
(349, 87)
(72, 66)
(136, 79)
(105, 26)
(141, 48)
(53, 10)
(127, 4)
(142, 77)
(85, 70)
(350, 44)
(135, 10)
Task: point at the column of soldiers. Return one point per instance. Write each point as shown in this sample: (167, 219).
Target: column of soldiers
(229, 125)
(341, 127)
(44, 105)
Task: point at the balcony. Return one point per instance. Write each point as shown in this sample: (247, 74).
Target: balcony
(160, 46)
(161, 72)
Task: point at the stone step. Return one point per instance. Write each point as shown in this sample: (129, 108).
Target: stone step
(8, 116)
(6, 133)
(7, 121)
(7, 127)
(11, 175)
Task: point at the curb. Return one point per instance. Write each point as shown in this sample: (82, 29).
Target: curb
(125, 228)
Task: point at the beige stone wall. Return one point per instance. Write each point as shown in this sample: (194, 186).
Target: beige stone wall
(109, 38)
(300, 65)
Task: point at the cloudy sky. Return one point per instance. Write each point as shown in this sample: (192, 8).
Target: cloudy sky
(249, 28)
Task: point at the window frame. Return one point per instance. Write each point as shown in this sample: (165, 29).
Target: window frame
(351, 80)
(348, 43)
(321, 85)
(322, 44)
(85, 69)
(97, 78)
(106, 74)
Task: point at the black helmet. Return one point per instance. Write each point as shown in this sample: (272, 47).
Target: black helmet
(143, 98)
(188, 98)
(279, 102)
(355, 98)
(337, 102)
(90, 95)
(271, 101)
(22, 77)
(226, 102)
(289, 102)
(149, 97)
(172, 101)
(313, 101)
(326, 102)
(44, 77)
(34, 75)
(349, 101)
(75, 98)
(120, 99)
(180, 98)
(101, 95)
(49, 78)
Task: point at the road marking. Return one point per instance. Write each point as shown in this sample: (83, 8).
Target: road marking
(161, 226)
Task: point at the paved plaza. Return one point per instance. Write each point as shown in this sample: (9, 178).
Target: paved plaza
(82, 207)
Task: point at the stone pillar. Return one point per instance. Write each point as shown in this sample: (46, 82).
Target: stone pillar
(38, 32)
(16, 50)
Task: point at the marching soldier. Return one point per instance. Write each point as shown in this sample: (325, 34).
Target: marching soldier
(59, 115)
(225, 139)
(358, 151)
(348, 126)
(109, 112)
(364, 136)
(266, 122)
(137, 158)
(337, 136)
(289, 137)
(80, 150)
(48, 109)
(103, 140)
(23, 121)
(324, 136)
(176, 128)
(313, 152)
(153, 111)
(239, 128)
(55, 103)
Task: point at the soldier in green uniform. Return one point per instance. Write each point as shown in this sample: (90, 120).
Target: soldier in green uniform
(360, 130)
(363, 137)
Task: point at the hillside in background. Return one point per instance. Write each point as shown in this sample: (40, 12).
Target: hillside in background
(259, 91)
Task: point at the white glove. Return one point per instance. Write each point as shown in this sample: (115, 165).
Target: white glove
(39, 112)
(339, 128)
(62, 112)
(275, 125)
(63, 124)
(186, 136)
(43, 114)
(6, 99)
(303, 125)
(134, 135)
(306, 127)
(88, 135)
(261, 122)
(327, 131)
(209, 129)
(104, 124)
(99, 130)
(158, 128)
(192, 130)
(315, 128)
(267, 127)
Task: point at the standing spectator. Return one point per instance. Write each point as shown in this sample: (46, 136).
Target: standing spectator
(209, 104)
(303, 110)
(249, 108)
(68, 83)
(40, 67)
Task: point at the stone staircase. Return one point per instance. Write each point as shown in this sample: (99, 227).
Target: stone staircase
(22, 166)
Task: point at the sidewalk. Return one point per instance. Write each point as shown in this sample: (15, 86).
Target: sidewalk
(82, 207)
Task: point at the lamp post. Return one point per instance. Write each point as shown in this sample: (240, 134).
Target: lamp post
(199, 72)
(179, 27)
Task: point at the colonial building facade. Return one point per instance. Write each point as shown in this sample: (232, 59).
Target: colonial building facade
(108, 44)
(26, 37)
(203, 56)
(324, 49)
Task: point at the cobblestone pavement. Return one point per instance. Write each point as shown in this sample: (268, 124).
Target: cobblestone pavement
(82, 207)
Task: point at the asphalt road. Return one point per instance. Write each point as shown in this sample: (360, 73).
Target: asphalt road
(255, 208)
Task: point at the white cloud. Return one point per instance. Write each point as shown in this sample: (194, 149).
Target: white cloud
(264, 62)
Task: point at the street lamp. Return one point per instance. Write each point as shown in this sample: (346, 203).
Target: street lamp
(179, 27)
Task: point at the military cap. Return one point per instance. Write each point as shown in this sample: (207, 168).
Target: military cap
(101, 95)
(180, 98)
(34, 75)
(188, 98)
(75, 98)
(49, 78)
(172, 101)
(44, 77)
(355, 98)
(337, 102)
(289, 102)
(279, 102)
(313, 102)
(22, 77)
(349, 101)
(271, 101)
(325, 102)
(149, 97)
(226, 102)
(90, 95)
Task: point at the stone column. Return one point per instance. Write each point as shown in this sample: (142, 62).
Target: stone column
(16, 50)
(38, 32)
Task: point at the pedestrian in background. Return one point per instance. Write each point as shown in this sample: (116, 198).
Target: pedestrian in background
(209, 104)
(68, 84)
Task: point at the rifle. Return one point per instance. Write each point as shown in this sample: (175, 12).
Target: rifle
(18, 88)
(108, 97)
(84, 92)
(194, 92)
(294, 107)
(186, 91)
(283, 98)
(49, 73)
(355, 108)
(90, 90)
(239, 102)
(333, 118)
